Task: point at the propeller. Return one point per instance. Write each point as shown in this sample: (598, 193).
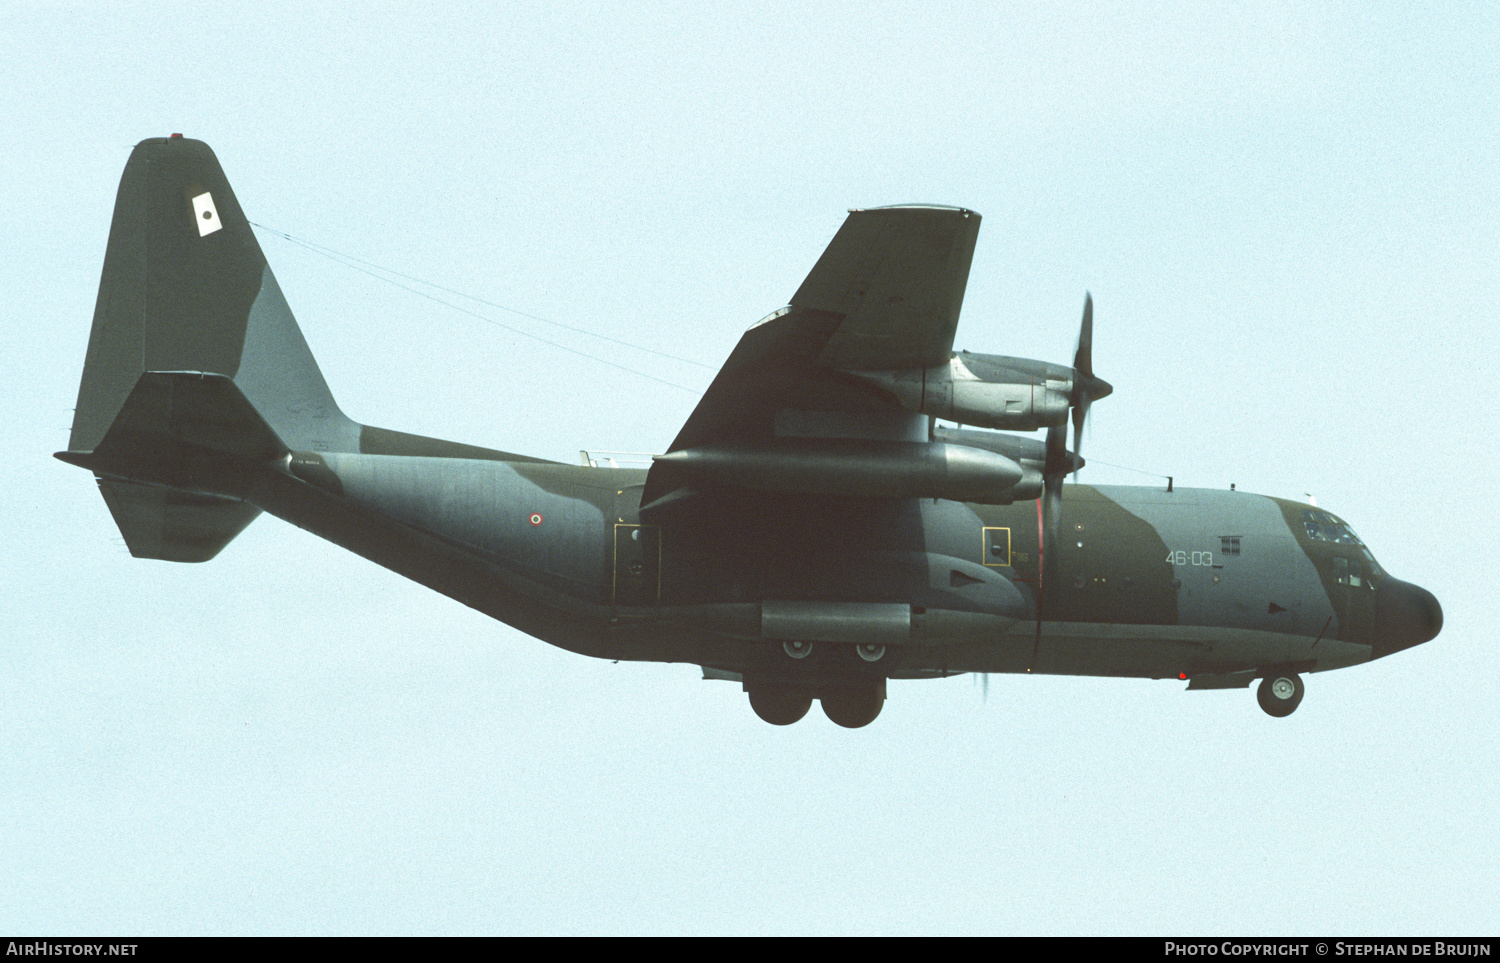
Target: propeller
(1086, 389)
(1048, 514)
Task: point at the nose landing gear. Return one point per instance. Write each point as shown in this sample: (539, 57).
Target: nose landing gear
(1280, 693)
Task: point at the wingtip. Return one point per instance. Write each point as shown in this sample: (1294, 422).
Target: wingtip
(948, 208)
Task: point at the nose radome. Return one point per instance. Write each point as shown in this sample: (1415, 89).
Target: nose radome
(1407, 615)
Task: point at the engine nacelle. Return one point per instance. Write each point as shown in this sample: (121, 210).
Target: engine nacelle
(991, 391)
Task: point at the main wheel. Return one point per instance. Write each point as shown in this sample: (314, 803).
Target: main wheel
(1280, 693)
(780, 705)
(853, 706)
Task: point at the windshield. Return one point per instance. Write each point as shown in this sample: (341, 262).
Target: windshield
(1322, 526)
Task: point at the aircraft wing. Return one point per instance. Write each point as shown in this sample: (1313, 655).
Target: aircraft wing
(885, 295)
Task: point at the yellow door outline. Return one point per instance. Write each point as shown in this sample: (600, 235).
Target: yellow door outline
(985, 544)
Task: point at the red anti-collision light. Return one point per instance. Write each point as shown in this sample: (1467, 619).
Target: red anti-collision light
(177, 135)
(1182, 675)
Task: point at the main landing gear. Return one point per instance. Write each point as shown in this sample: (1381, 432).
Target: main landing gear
(1280, 693)
(851, 706)
(841, 676)
(780, 705)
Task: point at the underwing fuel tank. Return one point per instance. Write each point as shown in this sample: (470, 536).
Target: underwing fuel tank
(1029, 453)
(857, 467)
(991, 391)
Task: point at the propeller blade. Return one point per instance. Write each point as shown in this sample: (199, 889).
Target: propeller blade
(1080, 414)
(1051, 508)
(1041, 579)
(1059, 462)
(1048, 516)
(1083, 358)
(1086, 388)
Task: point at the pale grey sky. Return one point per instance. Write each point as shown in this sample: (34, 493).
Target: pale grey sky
(1287, 215)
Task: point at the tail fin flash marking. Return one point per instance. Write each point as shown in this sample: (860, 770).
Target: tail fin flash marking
(205, 215)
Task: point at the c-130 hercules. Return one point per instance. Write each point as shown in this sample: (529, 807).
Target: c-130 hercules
(811, 532)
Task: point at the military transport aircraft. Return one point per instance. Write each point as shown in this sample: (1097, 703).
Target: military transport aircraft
(811, 532)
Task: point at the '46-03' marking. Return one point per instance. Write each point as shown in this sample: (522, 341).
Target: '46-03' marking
(1181, 557)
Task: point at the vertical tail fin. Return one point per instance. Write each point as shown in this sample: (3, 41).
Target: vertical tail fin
(185, 287)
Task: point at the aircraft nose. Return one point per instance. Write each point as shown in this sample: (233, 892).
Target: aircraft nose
(1407, 614)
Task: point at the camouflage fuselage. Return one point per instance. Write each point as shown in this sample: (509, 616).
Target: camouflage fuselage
(1146, 582)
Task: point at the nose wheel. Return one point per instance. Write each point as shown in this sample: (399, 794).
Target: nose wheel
(1280, 693)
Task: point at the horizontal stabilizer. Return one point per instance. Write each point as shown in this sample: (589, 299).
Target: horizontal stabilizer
(173, 466)
(177, 425)
(174, 526)
(193, 409)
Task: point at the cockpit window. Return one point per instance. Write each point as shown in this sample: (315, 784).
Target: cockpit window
(1323, 527)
